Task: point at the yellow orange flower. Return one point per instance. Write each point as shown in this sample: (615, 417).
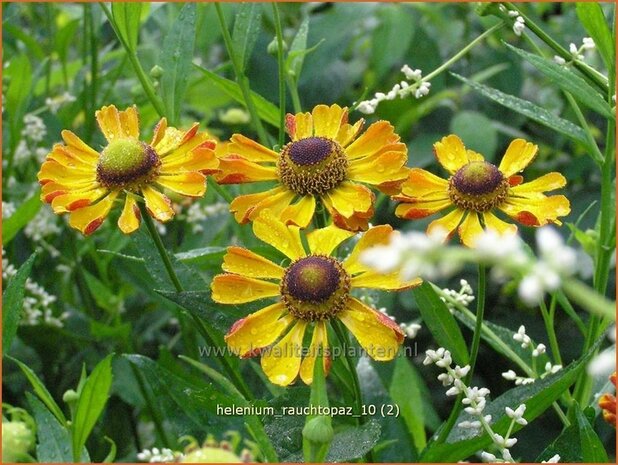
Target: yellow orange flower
(311, 290)
(78, 180)
(607, 402)
(327, 158)
(476, 188)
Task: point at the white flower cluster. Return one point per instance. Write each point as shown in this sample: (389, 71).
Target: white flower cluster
(519, 26)
(415, 254)
(156, 455)
(577, 53)
(37, 306)
(8, 208)
(475, 400)
(198, 212)
(464, 296)
(34, 128)
(554, 459)
(43, 224)
(418, 87)
(55, 103)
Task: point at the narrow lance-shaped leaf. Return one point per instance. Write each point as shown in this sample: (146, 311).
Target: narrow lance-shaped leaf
(247, 26)
(13, 303)
(127, 18)
(591, 16)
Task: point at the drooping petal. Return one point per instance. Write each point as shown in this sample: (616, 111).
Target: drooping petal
(547, 182)
(378, 235)
(237, 170)
(76, 199)
(470, 229)
(495, 223)
(184, 142)
(129, 219)
(250, 150)
(537, 211)
(281, 362)
(327, 120)
(284, 238)
(75, 144)
(301, 212)
(448, 223)
(379, 134)
(518, 155)
(258, 330)
(88, 219)
(348, 198)
(201, 159)
(71, 158)
(359, 221)
(390, 281)
(247, 263)
(451, 153)
(237, 289)
(51, 170)
(383, 167)
(189, 184)
(421, 208)
(325, 240)
(318, 343)
(422, 184)
(375, 332)
(158, 205)
(247, 207)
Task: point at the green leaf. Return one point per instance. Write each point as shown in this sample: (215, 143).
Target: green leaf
(530, 110)
(13, 303)
(178, 47)
(296, 57)
(91, 403)
(267, 111)
(538, 397)
(353, 443)
(592, 18)
(18, 220)
(41, 391)
(568, 81)
(441, 322)
(406, 393)
(54, 444)
(127, 16)
(18, 93)
(202, 255)
(477, 132)
(391, 39)
(247, 27)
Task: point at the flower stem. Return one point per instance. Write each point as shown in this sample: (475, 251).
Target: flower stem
(281, 67)
(242, 80)
(548, 318)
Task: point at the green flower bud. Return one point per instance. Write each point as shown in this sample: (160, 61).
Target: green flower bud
(70, 396)
(17, 440)
(156, 72)
(319, 430)
(211, 455)
(235, 116)
(273, 47)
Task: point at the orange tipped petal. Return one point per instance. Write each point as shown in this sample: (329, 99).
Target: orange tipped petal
(190, 184)
(377, 135)
(237, 289)
(237, 170)
(88, 219)
(158, 205)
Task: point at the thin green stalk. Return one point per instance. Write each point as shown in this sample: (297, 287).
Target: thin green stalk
(281, 68)
(474, 351)
(242, 80)
(592, 144)
(139, 71)
(548, 318)
(293, 87)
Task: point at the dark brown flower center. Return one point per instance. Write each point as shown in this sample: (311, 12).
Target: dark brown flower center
(315, 288)
(126, 164)
(478, 186)
(312, 166)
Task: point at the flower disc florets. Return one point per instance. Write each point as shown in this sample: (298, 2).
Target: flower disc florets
(315, 288)
(478, 186)
(313, 165)
(126, 164)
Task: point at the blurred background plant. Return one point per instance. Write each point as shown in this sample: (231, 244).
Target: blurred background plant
(69, 301)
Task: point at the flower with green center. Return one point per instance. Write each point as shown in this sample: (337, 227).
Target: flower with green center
(476, 188)
(327, 159)
(311, 291)
(78, 180)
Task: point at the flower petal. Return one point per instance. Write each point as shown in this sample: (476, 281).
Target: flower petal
(348, 198)
(257, 330)
(237, 289)
(299, 126)
(470, 229)
(381, 167)
(250, 150)
(72, 158)
(422, 184)
(318, 343)
(390, 281)
(327, 120)
(129, 219)
(129, 121)
(421, 208)
(247, 263)
(448, 223)
(301, 212)
(51, 170)
(282, 362)
(236, 170)
(247, 207)
(375, 332)
(451, 153)
(111, 122)
(75, 144)
(495, 223)
(158, 205)
(201, 159)
(348, 132)
(88, 219)
(378, 235)
(76, 199)
(518, 155)
(190, 184)
(547, 182)
(377, 135)
(325, 240)
(284, 238)
(359, 221)
(537, 211)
